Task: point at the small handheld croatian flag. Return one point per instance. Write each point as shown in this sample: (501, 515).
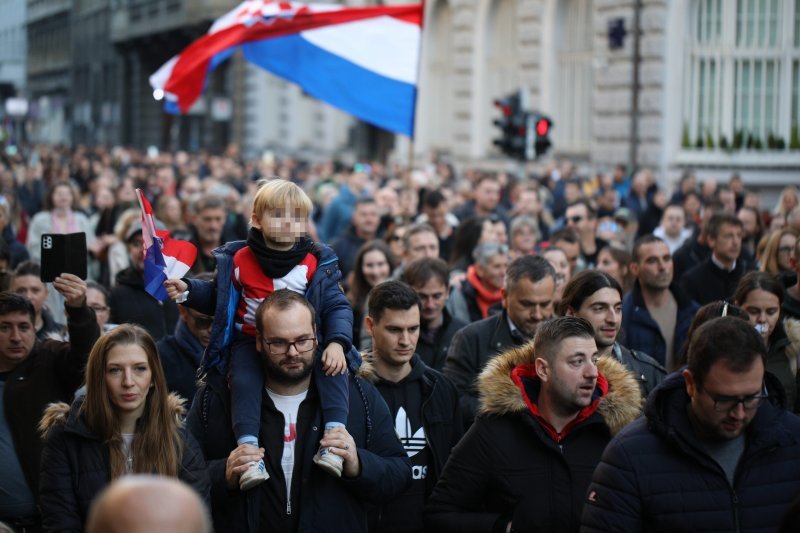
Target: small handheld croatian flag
(363, 60)
(164, 257)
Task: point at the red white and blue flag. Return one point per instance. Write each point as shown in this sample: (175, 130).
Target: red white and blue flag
(363, 60)
(164, 257)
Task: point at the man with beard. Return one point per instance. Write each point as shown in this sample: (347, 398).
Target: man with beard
(297, 496)
(716, 450)
(656, 314)
(527, 299)
(597, 298)
(548, 409)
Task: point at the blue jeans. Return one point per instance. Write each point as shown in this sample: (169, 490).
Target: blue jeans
(246, 376)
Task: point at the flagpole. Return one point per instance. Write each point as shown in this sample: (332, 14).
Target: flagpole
(416, 93)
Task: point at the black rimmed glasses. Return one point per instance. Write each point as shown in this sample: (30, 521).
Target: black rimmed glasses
(724, 404)
(281, 347)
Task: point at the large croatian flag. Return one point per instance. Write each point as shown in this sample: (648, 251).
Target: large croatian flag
(164, 257)
(363, 60)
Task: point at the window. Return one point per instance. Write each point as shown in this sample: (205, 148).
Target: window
(743, 56)
(574, 81)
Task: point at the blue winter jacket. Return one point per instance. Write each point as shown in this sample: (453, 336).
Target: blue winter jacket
(642, 333)
(220, 298)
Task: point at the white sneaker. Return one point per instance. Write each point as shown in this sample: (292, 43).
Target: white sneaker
(255, 475)
(329, 462)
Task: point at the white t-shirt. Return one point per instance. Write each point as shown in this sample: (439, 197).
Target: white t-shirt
(288, 406)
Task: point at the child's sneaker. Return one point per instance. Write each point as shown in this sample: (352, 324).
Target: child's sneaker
(329, 462)
(255, 475)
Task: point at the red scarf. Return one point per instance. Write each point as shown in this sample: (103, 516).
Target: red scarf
(485, 298)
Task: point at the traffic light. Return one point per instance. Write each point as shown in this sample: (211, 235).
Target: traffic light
(510, 107)
(543, 125)
(524, 134)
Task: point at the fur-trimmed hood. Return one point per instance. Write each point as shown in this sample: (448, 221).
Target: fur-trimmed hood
(499, 395)
(63, 414)
(792, 328)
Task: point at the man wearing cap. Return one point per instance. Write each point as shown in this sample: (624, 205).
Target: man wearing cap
(129, 301)
(629, 222)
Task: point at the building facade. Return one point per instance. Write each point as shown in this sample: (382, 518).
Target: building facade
(710, 85)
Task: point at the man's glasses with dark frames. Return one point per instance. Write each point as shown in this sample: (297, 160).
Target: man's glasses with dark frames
(724, 404)
(281, 347)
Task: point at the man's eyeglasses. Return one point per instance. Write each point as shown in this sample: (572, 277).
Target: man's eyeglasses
(724, 404)
(281, 347)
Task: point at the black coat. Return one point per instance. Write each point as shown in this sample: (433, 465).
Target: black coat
(180, 368)
(690, 253)
(510, 468)
(130, 304)
(648, 372)
(76, 467)
(706, 282)
(346, 248)
(434, 352)
(471, 348)
(51, 373)
(319, 502)
(655, 476)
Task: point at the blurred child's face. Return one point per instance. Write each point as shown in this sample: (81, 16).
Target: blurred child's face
(281, 226)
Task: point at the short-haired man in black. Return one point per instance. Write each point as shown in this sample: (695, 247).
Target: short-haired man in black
(297, 496)
(528, 295)
(430, 279)
(717, 276)
(597, 298)
(548, 409)
(34, 374)
(716, 450)
(422, 402)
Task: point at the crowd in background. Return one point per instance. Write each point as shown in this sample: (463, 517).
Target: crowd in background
(490, 256)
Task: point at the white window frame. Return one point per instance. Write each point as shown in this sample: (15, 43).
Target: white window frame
(725, 103)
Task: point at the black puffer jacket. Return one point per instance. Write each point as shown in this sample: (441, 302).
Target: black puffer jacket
(76, 466)
(655, 476)
(510, 468)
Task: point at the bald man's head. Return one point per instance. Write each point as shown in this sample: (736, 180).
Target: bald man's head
(152, 504)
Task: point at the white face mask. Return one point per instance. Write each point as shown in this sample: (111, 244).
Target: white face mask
(762, 329)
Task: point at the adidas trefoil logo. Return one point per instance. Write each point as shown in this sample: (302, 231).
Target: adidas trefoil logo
(413, 442)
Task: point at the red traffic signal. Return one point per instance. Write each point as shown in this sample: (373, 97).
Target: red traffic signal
(542, 127)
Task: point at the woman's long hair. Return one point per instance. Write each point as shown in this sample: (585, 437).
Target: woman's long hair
(359, 286)
(157, 445)
(769, 258)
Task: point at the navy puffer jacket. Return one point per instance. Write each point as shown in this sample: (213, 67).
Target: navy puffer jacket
(656, 476)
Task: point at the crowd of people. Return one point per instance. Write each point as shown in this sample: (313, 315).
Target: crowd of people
(375, 348)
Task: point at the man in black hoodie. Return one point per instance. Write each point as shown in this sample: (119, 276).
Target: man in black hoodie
(422, 402)
(129, 301)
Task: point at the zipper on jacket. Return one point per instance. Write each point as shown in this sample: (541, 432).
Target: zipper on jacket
(288, 505)
(735, 501)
